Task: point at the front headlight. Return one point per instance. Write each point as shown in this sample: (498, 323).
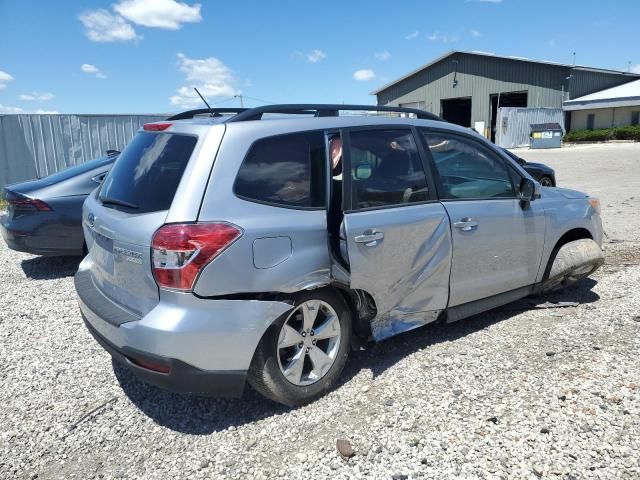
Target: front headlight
(595, 204)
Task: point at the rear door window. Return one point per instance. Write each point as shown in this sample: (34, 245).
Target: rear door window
(386, 169)
(146, 175)
(287, 170)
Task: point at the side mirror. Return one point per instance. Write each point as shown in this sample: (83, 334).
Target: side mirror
(363, 171)
(527, 190)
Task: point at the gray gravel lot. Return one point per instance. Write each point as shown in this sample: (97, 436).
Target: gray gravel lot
(514, 393)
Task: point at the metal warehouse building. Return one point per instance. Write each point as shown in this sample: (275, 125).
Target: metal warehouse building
(468, 87)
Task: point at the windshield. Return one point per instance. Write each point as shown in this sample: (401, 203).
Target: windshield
(80, 169)
(146, 176)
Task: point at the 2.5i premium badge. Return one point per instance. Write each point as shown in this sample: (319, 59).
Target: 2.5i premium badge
(129, 255)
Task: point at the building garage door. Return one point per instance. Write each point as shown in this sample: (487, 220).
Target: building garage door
(456, 110)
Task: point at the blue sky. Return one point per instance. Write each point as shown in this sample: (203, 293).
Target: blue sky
(143, 56)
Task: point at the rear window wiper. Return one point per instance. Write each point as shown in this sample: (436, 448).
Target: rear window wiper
(115, 201)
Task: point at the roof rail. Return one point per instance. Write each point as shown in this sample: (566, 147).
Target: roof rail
(325, 110)
(217, 112)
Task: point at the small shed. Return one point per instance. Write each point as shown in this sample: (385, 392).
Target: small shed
(546, 135)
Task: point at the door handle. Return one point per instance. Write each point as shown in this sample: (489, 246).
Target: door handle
(466, 224)
(370, 238)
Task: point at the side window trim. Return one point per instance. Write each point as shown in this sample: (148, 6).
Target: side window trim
(347, 184)
(470, 138)
(346, 159)
(427, 165)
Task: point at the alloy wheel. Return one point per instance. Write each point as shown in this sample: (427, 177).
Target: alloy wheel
(308, 343)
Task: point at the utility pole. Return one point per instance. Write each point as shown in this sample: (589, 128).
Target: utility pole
(241, 101)
(574, 59)
(629, 67)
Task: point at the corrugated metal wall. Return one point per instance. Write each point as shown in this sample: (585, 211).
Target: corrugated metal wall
(584, 82)
(514, 124)
(480, 76)
(34, 146)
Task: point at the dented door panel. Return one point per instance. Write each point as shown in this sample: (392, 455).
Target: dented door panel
(407, 270)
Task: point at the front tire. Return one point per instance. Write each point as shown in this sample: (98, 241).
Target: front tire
(303, 353)
(546, 181)
(572, 262)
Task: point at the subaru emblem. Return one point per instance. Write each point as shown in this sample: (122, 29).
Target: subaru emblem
(91, 218)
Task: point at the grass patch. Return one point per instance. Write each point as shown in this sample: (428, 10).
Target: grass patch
(631, 132)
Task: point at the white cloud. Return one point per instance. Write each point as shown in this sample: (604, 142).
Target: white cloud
(212, 77)
(412, 35)
(316, 56)
(635, 68)
(92, 70)
(7, 109)
(103, 26)
(475, 33)
(4, 79)
(383, 55)
(88, 68)
(40, 96)
(51, 112)
(168, 14)
(444, 37)
(364, 75)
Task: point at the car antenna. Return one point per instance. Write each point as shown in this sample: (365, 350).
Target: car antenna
(213, 114)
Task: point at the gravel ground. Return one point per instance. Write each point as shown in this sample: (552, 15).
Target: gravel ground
(514, 393)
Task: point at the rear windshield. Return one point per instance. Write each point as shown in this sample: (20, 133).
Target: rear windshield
(146, 175)
(80, 169)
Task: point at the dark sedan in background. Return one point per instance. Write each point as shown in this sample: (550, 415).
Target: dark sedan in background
(44, 215)
(539, 171)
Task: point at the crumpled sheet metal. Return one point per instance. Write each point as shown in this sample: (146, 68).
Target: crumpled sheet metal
(419, 297)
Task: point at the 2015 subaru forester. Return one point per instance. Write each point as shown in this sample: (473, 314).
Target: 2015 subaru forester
(255, 247)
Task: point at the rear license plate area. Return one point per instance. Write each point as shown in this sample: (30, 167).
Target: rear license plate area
(102, 252)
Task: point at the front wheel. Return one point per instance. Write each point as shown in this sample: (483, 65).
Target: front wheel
(303, 353)
(546, 181)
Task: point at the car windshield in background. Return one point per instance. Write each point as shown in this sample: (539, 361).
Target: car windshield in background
(80, 169)
(146, 176)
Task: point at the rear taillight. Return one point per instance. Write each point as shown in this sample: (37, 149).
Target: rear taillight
(30, 202)
(180, 251)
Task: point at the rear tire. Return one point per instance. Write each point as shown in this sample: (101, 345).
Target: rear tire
(305, 370)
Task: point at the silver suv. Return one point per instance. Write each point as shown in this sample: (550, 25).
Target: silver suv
(261, 246)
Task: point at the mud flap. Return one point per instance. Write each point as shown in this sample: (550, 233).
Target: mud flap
(574, 261)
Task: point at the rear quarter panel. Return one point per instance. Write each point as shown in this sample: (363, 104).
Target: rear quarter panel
(280, 250)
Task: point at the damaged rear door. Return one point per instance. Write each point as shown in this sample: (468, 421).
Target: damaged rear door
(398, 234)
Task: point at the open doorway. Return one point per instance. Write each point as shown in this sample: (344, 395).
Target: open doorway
(507, 99)
(457, 110)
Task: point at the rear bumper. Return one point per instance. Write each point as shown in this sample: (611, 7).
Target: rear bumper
(37, 243)
(182, 377)
(207, 344)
